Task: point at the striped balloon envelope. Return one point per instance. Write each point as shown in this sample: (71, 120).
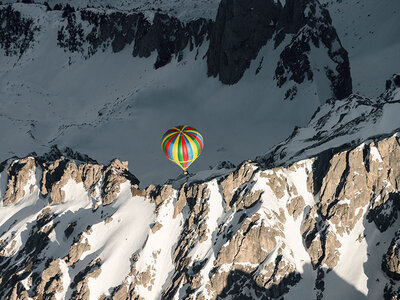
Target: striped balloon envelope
(182, 145)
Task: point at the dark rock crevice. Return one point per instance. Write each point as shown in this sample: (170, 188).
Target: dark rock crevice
(385, 214)
(242, 28)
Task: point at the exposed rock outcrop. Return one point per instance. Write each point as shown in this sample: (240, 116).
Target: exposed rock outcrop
(13, 274)
(114, 175)
(56, 176)
(19, 173)
(51, 281)
(76, 250)
(231, 184)
(80, 282)
(348, 187)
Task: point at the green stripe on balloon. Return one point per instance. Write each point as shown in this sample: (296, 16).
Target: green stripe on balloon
(197, 144)
(180, 152)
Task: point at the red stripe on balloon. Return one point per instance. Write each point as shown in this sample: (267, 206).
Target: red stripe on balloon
(185, 151)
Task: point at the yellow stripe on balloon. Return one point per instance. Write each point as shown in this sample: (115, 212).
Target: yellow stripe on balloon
(175, 150)
(193, 145)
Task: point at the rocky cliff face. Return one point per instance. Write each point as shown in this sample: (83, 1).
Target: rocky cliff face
(241, 29)
(88, 31)
(322, 227)
(165, 34)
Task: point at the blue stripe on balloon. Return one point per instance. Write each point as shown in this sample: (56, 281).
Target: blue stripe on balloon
(171, 146)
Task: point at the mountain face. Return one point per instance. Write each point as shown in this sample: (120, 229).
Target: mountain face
(243, 27)
(239, 32)
(323, 227)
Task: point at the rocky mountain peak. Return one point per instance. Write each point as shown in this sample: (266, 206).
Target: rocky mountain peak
(56, 170)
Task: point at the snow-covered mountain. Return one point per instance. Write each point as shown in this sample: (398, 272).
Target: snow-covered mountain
(324, 227)
(313, 217)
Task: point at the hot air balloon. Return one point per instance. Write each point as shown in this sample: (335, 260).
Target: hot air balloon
(182, 144)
